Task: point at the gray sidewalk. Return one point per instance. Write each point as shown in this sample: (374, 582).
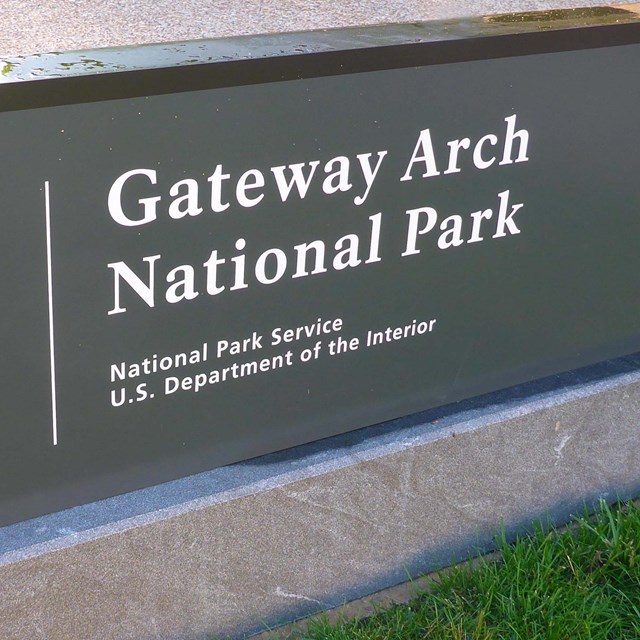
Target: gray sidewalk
(38, 26)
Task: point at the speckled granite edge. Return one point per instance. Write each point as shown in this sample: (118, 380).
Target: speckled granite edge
(290, 534)
(138, 508)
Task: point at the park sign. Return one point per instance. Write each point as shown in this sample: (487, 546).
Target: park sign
(208, 260)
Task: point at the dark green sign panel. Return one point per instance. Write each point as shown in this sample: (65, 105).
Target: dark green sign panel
(281, 251)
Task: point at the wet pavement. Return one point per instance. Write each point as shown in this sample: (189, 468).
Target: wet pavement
(38, 26)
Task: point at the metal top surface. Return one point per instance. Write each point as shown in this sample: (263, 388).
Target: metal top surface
(18, 68)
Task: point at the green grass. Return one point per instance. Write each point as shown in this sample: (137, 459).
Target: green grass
(581, 583)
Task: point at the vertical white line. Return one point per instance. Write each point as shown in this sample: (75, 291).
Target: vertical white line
(54, 408)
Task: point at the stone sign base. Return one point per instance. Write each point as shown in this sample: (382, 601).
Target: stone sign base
(257, 544)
